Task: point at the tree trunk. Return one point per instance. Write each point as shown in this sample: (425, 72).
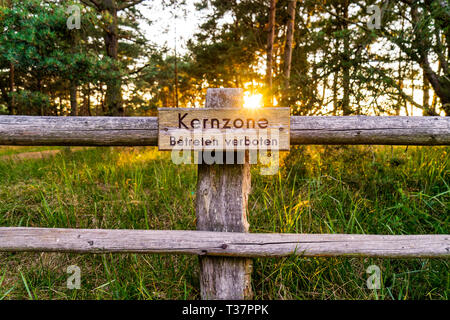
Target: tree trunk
(12, 106)
(335, 93)
(346, 65)
(400, 83)
(176, 69)
(85, 110)
(12, 80)
(73, 98)
(440, 85)
(114, 103)
(289, 42)
(270, 40)
(176, 79)
(38, 89)
(427, 110)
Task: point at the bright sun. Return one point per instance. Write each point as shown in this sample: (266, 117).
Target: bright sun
(253, 101)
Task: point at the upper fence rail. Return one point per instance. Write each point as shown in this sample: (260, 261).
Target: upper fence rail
(143, 131)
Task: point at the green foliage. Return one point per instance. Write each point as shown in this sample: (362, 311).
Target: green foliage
(33, 102)
(34, 38)
(44, 51)
(339, 65)
(225, 53)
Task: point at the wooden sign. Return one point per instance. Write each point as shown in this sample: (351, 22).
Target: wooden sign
(224, 129)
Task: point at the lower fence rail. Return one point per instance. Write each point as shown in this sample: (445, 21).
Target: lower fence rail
(226, 244)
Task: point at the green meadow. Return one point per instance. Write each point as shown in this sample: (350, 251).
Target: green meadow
(354, 189)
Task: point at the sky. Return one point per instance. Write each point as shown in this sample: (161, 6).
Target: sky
(164, 27)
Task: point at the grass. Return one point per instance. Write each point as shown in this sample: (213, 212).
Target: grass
(9, 151)
(372, 190)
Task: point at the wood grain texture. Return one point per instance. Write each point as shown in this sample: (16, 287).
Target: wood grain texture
(78, 131)
(227, 244)
(371, 130)
(143, 131)
(221, 205)
(222, 126)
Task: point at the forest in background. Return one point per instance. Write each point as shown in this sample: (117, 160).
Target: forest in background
(326, 57)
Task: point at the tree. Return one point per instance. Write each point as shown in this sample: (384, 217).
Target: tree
(270, 41)
(43, 55)
(289, 42)
(11, 104)
(225, 52)
(110, 10)
(427, 35)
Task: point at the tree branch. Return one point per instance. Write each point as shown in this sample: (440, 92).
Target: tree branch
(399, 89)
(440, 52)
(92, 3)
(139, 69)
(127, 5)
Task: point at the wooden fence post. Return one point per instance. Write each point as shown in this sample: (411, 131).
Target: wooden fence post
(221, 205)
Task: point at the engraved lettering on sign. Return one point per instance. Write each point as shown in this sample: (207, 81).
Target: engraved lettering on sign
(224, 129)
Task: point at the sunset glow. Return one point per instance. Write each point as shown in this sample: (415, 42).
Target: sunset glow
(253, 101)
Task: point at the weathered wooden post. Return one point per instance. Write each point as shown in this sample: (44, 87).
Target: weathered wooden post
(221, 205)
(223, 134)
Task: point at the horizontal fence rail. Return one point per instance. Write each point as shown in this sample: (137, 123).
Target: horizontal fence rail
(223, 243)
(143, 131)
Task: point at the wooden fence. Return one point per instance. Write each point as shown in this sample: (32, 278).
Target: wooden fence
(222, 241)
